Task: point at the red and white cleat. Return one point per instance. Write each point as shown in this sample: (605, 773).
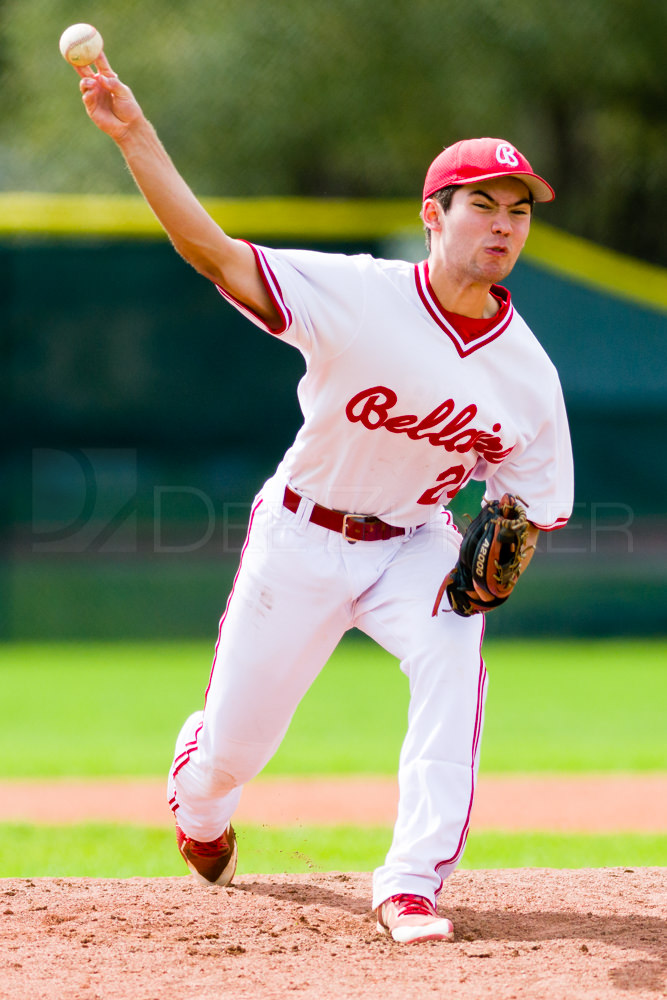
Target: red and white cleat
(407, 919)
(211, 862)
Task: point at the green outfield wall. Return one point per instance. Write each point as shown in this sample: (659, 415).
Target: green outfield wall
(141, 413)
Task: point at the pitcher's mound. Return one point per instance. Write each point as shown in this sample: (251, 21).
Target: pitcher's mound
(530, 933)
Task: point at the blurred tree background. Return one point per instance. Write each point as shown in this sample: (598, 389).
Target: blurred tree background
(355, 98)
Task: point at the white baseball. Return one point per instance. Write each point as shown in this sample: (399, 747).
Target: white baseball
(81, 44)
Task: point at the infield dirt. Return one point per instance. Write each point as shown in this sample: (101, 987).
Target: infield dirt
(581, 803)
(520, 935)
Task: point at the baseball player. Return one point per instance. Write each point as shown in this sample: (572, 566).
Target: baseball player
(418, 379)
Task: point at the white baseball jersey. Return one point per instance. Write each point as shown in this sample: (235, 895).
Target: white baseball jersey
(403, 402)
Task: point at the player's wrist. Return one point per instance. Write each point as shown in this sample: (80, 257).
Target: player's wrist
(137, 136)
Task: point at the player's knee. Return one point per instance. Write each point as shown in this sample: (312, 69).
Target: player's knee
(215, 783)
(220, 780)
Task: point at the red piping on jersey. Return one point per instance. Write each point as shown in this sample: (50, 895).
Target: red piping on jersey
(273, 289)
(464, 341)
(191, 746)
(476, 736)
(559, 523)
(450, 520)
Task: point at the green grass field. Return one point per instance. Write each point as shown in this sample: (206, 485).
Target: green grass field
(99, 850)
(114, 709)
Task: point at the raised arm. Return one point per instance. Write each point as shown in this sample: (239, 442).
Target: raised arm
(228, 262)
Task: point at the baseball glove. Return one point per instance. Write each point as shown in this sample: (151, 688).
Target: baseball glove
(489, 561)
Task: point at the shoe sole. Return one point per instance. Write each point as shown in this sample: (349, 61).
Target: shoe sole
(411, 935)
(226, 875)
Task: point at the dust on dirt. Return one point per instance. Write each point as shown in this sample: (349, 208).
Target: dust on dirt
(519, 935)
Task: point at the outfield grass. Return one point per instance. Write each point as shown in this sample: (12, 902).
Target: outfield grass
(108, 851)
(91, 709)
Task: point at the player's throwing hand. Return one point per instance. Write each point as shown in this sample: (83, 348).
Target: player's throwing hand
(108, 102)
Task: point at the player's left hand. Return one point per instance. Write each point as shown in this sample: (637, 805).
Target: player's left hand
(492, 554)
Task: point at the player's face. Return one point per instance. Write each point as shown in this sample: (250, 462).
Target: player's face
(485, 229)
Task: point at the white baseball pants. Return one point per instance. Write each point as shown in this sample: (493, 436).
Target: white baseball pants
(298, 589)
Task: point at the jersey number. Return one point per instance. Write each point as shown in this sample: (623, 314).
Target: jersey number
(450, 482)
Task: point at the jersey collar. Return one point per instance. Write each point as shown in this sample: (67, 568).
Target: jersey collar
(466, 334)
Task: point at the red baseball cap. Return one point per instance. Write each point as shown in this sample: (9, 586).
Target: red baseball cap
(474, 160)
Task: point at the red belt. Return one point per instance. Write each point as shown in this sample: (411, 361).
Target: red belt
(353, 527)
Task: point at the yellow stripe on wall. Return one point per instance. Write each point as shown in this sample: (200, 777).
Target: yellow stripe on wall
(127, 217)
(124, 216)
(593, 265)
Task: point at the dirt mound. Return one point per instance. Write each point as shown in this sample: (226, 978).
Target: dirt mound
(519, 934)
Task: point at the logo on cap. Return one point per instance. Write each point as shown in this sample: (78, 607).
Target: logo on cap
(506, 155)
